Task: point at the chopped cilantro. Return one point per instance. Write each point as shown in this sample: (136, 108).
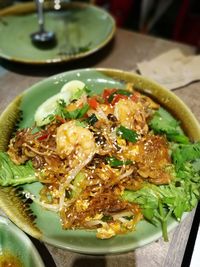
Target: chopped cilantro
(77, 113)
(63, 113)
(163, 123)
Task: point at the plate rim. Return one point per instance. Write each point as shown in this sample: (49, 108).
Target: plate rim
(21, 235)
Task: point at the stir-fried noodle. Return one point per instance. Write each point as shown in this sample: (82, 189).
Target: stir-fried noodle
(89, 153)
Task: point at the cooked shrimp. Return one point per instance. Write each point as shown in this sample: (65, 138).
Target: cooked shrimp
(131, 115)
(74, 140)
(124, 111)
(78, 144)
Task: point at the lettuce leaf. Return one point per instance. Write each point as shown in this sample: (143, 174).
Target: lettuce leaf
(181, 195)
(12, 174)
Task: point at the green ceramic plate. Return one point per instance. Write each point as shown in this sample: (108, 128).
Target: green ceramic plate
(14, 243)
(46, 226)
(81, 29)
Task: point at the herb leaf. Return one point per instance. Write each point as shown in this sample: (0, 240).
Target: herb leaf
(63, 113)
(163, 123)
(77, 113)
(185, 153)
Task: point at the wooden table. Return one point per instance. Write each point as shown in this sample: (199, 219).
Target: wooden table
(123, 52)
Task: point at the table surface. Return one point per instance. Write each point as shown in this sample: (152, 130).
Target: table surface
(123, 52)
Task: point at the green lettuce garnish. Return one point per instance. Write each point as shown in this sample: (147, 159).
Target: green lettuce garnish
(181, 195)
(12, 174)
(158, 203)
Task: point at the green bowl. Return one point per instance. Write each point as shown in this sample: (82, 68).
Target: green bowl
(14, 243)
(35, 220)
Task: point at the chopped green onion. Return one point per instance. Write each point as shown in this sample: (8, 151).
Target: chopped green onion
(127, 134)
(87, 90)
(118, 92)
(92, 119)
(107, 218)
(128, 217)
(114, 162)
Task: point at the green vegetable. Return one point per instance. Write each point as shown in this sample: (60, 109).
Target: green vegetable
(114, 162)
(77, 113)
(60, 108)
(163, 123)
(12, 174)
(185, 153)
(118, 92)
(181, 195)
(92, 119)
(77, 94)
(107, 218)
(81, 123)
(147, 197)
(127, 134)
(78, 184)
(63, 113)
(88, 90)
(55, 105)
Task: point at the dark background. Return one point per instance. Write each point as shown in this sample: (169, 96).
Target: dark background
(180, 21)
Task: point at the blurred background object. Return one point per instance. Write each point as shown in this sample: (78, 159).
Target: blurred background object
(4, 3)
(122, 10)
(177, 20)
(187, 27)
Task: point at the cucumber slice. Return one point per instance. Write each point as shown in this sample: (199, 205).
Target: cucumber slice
(71, 90)
(73, 86)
